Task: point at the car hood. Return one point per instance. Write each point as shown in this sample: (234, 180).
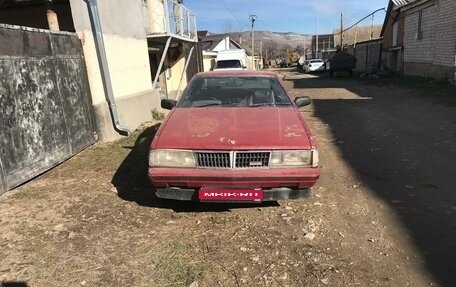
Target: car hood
(233, 129)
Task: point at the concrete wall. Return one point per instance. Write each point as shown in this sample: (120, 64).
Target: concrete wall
(434, 54)
(393, 60)
(124, 36)
(367, 55)
(250, 63)
(175, 76)
(209, 61)
(392, 55)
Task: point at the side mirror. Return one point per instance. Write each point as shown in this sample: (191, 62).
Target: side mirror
(302, 101)
(168, 104)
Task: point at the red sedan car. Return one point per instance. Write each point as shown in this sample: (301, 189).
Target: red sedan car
(234, 136)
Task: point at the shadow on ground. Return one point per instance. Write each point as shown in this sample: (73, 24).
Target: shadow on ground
(132, 183)
(13, 284)
(403, 148)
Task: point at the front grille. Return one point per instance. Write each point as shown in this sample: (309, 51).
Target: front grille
(232, 159)
(251, 159)
(213, 159)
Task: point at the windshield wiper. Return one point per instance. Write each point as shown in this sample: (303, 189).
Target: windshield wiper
(261, 105)
(207, 105)
(269, 104)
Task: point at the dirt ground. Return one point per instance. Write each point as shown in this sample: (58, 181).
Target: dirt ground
(382, 214)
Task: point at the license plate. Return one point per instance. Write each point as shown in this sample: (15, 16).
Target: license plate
(230, 195)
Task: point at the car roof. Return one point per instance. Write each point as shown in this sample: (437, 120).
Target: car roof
(240, 73)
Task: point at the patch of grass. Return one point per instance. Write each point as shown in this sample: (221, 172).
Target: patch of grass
(175, 267)
(157, 115)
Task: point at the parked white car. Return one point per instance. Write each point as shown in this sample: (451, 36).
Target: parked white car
(315, 65)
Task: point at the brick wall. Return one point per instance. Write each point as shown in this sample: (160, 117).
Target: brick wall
(388, 32)
(434, 54)
(445, 40)
(420, 50)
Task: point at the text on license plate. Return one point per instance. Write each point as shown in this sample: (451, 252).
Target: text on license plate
(230, 194)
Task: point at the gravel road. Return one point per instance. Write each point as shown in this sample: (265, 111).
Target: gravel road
(382, 214)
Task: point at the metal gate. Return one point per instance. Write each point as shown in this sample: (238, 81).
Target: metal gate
(45, 104)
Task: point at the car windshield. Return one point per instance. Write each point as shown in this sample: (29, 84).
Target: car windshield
(227, 64)
(234, 91)
(316, 61)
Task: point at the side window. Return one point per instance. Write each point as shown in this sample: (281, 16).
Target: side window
(419, 32)
(395, 30)
(280, 96)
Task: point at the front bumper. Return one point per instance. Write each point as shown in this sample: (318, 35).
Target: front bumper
(194, 178)
(273, 194)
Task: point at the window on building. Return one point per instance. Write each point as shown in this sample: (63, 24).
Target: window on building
(419, 32)
(395, 29)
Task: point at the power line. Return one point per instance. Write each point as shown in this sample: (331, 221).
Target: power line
(231, 12)
(360, 21)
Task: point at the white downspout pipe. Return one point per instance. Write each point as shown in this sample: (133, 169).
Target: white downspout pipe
(101, 51)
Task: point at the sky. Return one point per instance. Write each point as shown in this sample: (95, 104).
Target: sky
(298, 16)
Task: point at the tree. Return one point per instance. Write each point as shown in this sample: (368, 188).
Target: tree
(270, 49)
(300, 49)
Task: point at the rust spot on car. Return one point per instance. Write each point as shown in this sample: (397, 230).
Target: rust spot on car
(228, 141)
(202, 127)
(294, 131)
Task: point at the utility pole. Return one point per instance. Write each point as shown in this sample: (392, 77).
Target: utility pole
(316, 42)
(341, 30)
(372, 28)
(52, 18)
(252, 19)
(371, 38)
(356, 36)
(261, 53)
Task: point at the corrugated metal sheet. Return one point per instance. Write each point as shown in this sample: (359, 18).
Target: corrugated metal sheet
(402, 2)
(45, 103)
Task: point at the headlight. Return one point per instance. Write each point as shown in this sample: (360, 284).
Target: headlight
(294, 158)
(171, 158)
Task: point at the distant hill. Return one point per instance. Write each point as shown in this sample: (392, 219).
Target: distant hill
(292, 39)
(279, 44)
(274, 42)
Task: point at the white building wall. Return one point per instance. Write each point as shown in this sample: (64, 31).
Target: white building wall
(223, 45)
(209, 61)
(156, 19)
(125, 42)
